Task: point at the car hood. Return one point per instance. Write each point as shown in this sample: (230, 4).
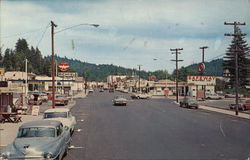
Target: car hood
(35, 146)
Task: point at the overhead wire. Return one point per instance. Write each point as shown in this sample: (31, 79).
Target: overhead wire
(43, 34)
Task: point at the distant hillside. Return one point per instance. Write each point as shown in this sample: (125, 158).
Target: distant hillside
(212, 68)
(100, 72)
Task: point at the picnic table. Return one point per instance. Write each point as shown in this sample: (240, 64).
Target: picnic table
(11, 117)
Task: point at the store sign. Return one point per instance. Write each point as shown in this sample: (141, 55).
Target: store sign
(201, 80)
(201, 67)
(67, 74)
(63, 66)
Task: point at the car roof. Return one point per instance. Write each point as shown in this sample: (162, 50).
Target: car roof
(57, 110)
(41, 123)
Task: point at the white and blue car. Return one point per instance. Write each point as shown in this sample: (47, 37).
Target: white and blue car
(47, 140)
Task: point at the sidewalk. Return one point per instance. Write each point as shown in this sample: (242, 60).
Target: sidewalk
(8, 131)
(223, 111)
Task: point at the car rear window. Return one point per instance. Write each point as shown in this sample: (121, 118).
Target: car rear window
(55, 115)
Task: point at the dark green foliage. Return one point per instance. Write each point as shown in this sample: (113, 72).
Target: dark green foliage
(14, 60)
(238, 46)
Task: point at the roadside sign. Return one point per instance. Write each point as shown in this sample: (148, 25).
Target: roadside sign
(67, 74)
(201, 67)
(63, 66)
(35, 110)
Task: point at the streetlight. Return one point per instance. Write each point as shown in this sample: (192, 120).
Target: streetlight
(52, 57)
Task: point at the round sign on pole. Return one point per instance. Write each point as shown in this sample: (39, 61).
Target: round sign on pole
(63, 66)
(201, 67)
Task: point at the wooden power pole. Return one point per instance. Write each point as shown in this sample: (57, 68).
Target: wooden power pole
(236, 51)
(176, 69)
(53, 63)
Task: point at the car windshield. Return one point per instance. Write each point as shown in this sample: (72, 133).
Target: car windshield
(55, 115)
(36, 132)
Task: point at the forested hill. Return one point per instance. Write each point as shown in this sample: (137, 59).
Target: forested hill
(100, 72)
(212, 68)
(13, 60)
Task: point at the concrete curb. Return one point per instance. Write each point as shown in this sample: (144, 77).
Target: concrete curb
(224, 111)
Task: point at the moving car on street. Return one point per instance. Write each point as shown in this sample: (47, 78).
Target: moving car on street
(243, 105)
(120, 100)
(63, 115)
(189, 102)
(39, 140)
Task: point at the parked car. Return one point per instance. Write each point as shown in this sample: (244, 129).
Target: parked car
(111, 89)
(39, 140)
(91, 90)
(63, 115)
(140, 96)
(34, 98)
(120, 100)
(189, 102)
(44, 97)
(232, 96)
(101, 90)
(243, 105)
(144, 96)
(61, 100)
(213, 96)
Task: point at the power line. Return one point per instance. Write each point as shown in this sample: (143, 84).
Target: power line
(19, 34)
(43, 34)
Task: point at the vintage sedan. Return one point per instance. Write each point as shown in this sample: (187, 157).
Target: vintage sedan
(61, 100)
(189, 102)
(39, 140)
(61, 114)
(242, 105)
(120, 100)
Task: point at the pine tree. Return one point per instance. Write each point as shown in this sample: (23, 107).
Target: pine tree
(240, 47)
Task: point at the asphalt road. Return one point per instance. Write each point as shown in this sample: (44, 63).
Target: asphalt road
(154, 129)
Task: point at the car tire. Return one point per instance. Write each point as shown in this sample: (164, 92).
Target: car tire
(196, 107)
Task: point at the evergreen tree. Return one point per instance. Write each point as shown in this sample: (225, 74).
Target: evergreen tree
(240, 47)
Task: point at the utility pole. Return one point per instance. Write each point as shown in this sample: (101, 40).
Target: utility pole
(203, 87)
(53, 63)
(203, 59)
(176, 62)
(236, 51)
(139, 78)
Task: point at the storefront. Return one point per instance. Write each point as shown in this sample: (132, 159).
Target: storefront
(198, 86)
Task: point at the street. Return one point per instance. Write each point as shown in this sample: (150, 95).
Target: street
(154, 129)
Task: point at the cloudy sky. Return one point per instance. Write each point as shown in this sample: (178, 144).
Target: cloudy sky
(131, 32)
